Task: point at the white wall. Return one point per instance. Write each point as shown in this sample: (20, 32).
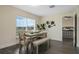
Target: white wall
(8, 24)
(55, 33)
(78, 31)
(77, 11)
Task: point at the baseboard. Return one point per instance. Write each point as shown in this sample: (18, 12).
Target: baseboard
(56, 40)
(7, 45)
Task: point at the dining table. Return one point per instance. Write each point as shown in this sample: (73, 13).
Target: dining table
(35, 41)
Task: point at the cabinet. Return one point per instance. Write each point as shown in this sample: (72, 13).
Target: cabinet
(67, 33)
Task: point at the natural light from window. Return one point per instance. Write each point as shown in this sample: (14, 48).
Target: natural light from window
(24, 24)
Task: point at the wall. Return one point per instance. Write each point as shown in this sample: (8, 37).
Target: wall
(8, 24)
(77, 11)
(55, 33)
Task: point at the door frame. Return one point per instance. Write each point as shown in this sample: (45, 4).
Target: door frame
(74, 31)
(75, 43)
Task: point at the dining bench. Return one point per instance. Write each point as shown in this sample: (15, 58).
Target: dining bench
(39, 42)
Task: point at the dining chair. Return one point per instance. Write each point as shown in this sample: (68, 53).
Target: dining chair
(22, 42)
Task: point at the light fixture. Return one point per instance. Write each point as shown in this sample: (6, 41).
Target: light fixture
(51, 6)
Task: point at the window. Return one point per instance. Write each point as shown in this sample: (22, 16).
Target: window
(23, 23)
(30, 24)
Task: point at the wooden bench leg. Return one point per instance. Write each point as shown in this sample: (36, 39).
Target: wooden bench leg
(36, 49)
(48, 43)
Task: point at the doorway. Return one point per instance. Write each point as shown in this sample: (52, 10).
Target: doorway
(68, 30)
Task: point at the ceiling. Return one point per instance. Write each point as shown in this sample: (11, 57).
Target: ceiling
(44, 10)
